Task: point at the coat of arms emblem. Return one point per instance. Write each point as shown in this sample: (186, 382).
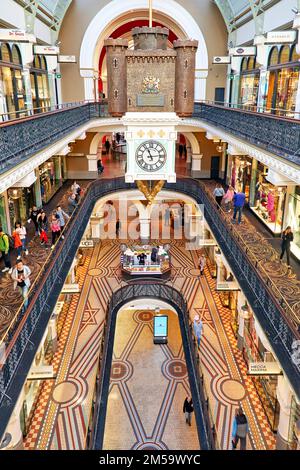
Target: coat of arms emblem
(150, 85)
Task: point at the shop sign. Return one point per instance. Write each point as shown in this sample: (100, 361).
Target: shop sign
(41, 373)
(280, 37)
(86, 244)
(221, 60)
(46, 50)
(241, 51)
(65, 59)
(18, 35)
(226, 286)
(264, 368)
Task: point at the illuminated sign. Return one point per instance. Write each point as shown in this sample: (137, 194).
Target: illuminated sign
(160, 326)
(222, 60)
(281, 37)
(46, 50)
(66, 59)
(241, 51)
(264, 368)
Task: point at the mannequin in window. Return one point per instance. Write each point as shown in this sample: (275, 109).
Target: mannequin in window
(271, 205)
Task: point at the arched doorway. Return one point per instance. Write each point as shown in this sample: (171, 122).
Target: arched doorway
(115, 15)
(174, 302)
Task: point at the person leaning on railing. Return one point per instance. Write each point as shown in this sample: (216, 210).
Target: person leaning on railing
(72, 203)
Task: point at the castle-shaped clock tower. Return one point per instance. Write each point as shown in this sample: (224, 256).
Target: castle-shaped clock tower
(150, 87)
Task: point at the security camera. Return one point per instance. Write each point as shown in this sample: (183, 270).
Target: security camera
(295, 10)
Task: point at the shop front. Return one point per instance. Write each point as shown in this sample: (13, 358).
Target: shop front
(240, 174)
(20, 200)
(266, 200)
(12, 86)
(283, 78)
(3, 214)
(293, 220)
(52, 176)
(266, 385)
(40, 83)
(249, 82)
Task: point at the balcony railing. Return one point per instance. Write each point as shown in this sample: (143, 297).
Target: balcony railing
(276, 134)
(205, 427)
(23, 137)
(20, 343)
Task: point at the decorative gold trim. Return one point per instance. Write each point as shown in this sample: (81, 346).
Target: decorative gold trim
(149, 192)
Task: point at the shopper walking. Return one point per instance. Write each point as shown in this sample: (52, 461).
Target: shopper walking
(100, 166)
(107, 146)
(202, 264)
(55, 229)
(287, 237)
(75, 187)
(20, 276)
(238, 204)
(240, 430)
(118, 227)
(188, 409)
(72, 203)
(34, 212)
(62, 216)
(219, 194)
(198, 329)
(167, 216)
(43, 227)
(4, 249)
(19, 236)
(228, 198)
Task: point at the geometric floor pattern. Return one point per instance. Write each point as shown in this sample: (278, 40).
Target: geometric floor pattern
(63, 411)
(148, 385)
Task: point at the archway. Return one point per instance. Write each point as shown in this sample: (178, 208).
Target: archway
(101, 27)
(175, 302)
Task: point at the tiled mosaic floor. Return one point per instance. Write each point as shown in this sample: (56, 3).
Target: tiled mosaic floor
(149, 384)
(60, 421)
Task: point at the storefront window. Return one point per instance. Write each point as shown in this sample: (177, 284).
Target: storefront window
(249, 82)
(39, 83)
(20, 201)
(51, 177)
(283, 81)
(241, 174)
(12, 86)
(293, 219)
(3, 219)
(267, 200)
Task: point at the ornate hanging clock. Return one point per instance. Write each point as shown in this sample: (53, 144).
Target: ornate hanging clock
(151, 155)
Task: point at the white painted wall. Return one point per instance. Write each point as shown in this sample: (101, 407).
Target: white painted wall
(280, 14)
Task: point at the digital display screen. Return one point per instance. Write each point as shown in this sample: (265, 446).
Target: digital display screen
(161, 325)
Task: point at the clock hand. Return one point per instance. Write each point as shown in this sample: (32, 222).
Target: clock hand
(150, 155)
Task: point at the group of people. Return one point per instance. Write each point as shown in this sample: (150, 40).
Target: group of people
(240, 424)
(55, 223)
(237, 199)
(230, 198)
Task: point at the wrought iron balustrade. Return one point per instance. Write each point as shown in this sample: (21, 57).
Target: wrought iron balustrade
(19, 346)
(275, 134)
(22, 138)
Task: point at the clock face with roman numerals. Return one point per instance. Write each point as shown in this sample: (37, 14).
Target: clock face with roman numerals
(151, 155)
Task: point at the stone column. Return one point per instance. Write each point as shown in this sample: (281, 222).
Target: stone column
(296, 26)
(53, 330)
(37, 189)
(284, 396)
(92, 165)
(95, 222)
(196, 165)
(188, 157)
(145, 229)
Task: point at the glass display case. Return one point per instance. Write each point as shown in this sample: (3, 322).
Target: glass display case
(145, 261)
